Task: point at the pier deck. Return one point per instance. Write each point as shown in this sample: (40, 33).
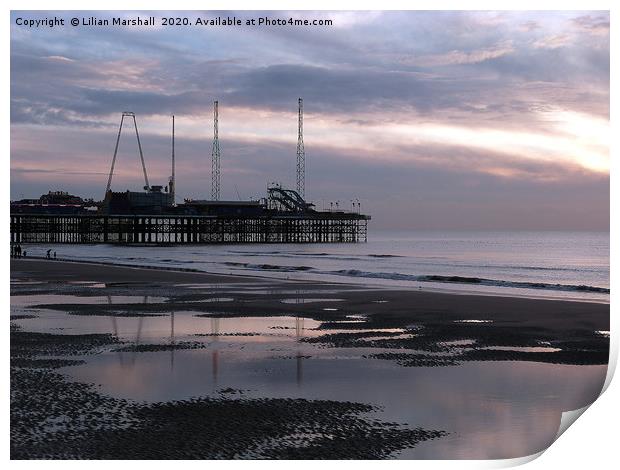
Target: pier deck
(322, 227)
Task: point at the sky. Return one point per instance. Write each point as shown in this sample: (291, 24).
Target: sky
(434, 120)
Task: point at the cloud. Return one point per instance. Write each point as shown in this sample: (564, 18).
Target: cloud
(482, 111)
(417, 189)
(595, 25)
(529, 26)
(457, 57)
(552, 42)
(59, 58)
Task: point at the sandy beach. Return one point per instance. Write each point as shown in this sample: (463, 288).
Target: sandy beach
(80, 332)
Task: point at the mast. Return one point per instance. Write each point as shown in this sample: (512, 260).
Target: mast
(215, 157)
(173, 182)
(301, 154)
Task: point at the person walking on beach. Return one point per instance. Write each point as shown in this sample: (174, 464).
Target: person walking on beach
(18, 251)
(48, 255)
(54, 255)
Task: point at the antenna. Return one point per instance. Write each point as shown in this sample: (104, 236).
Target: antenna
(215, 157)
(118, 138)
(301, 154)
(172, 179)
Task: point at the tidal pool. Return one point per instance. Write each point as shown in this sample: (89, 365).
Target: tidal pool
(490, 409)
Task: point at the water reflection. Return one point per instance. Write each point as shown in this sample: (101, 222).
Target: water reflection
(215, 352)
(299, 333)
(29, 300)
(172, 341)
(301, 300)
(490, 409)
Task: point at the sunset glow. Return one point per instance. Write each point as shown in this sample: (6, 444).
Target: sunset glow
(520, 97)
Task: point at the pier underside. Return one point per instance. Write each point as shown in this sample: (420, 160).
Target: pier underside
(149, 229)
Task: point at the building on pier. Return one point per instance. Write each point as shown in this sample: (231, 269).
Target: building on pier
(282, 217)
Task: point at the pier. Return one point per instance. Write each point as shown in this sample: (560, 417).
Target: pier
(321, 227)
(152, 216)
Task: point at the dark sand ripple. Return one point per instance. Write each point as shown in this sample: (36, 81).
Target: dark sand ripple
(454, 343)
(52, 418)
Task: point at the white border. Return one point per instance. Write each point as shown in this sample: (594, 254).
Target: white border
(592, 442)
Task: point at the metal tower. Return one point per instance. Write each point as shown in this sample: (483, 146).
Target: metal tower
(118, 138)
(301, 154)
(215, 158)
(173, 182)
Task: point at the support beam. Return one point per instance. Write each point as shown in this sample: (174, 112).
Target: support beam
(146, 178)
(173, 182)
(301, 154)
(215, 157)
(180, 229)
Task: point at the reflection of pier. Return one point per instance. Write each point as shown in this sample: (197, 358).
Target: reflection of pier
(215, 353)
(115, 333)
(299, 334)
(172, 340)
(128, 358)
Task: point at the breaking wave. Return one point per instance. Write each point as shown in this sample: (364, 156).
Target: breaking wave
(468, 280)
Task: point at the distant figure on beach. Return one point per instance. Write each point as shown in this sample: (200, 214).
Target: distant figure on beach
(48, 255)
(18, 251)
(54, 255)
(24, 251)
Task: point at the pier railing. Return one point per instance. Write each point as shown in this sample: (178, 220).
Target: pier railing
(173, 229)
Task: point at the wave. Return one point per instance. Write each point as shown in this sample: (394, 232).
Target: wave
(275, 252)
(283, 254)
(321, 270)
(437, 261)
(426, 278)
(268, 267)
(469, 280)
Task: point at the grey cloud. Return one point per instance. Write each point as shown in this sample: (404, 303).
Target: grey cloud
(274, 87)
(552, 42)
(598, 25)
(356, 75)
(529, 26)
(458, 57)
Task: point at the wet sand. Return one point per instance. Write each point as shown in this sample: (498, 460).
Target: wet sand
(392, 306)
(56, 416)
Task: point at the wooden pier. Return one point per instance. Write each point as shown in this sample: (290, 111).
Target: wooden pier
(322, 227)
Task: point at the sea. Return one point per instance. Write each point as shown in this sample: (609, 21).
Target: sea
(563, 265)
